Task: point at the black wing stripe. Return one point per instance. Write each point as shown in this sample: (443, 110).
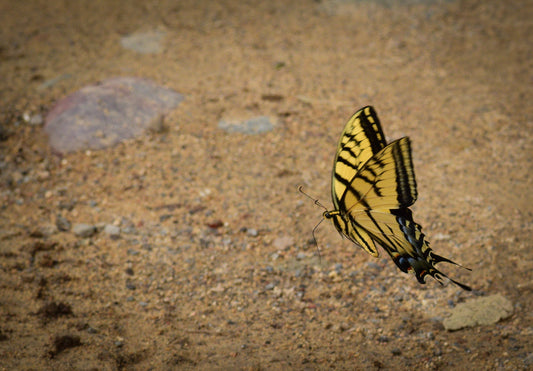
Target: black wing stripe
(373, 131)
(384, 237)
(347, 162)
(404, 174)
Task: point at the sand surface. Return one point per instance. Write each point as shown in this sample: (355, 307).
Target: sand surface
(215, 266)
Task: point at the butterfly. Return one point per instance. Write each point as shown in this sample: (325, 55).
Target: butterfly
(372, 186)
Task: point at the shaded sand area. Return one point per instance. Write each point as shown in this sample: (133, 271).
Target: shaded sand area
(198, 252)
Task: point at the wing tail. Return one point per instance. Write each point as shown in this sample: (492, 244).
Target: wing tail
(403, 239)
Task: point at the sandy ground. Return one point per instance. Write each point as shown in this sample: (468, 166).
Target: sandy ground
(215, 266)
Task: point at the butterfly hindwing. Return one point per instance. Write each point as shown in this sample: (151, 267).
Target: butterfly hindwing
(373, 185)
(402, 238)
(349, 229)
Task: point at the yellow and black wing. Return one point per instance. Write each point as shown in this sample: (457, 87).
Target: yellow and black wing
(361, 139)
(373, 185)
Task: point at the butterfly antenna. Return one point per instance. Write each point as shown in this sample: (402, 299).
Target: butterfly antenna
(301, 189)
(314, 238)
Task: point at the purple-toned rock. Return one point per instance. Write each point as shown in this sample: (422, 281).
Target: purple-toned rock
(102, 115)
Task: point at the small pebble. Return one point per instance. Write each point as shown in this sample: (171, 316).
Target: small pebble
(62, 223)
(275, 256)
(84, 230)
(67, 205)
(148, 42)
(396, 352)
(283, 242)
(373, 265)
(45, 230)
(254, 125)
(43, 175)
(129, 230)
(36, 120)
(92, 330)
(251, 232)
(112, 230)
(226, 241)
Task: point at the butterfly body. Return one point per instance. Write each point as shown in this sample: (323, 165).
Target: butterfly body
(373, 184)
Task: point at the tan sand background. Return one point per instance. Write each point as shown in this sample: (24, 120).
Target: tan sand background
(215, 267)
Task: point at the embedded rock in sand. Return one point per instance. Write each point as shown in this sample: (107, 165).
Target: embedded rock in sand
(102, 115)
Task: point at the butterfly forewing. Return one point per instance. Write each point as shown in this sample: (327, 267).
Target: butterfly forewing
(361, 139)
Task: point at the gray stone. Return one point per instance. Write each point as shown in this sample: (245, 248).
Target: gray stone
(45, 230)
(35, 120)
(252, 232)
(84, 230)
(112, 230)
(105, 114)
(149, 42)
(255, 125)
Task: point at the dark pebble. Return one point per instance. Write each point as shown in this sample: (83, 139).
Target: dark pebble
(64, 342)
(62, 223)
(396, 352)
(67, 205)
(92, 330)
